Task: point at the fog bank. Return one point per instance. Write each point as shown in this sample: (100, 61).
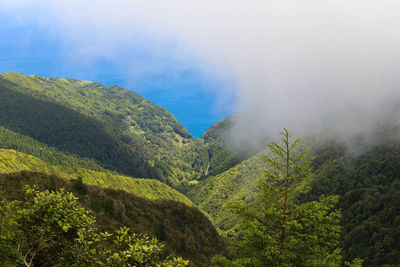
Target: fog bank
(311, 64)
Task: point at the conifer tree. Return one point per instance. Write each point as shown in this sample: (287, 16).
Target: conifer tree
(277, 230)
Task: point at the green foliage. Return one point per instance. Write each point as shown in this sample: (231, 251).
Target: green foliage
(87, 132)
(27, 145)
(365, 178)
(277, 231)
(215, 194)
(12, 161)
(114, 127)
(186, 231)
(50, 228)
(45, 227)
(367, 181)
(126, 250)
(220, 148)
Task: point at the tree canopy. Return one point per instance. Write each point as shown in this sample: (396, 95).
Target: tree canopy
(277, 230)
(52, 229)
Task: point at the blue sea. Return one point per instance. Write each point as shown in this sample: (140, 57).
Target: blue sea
(185, 91)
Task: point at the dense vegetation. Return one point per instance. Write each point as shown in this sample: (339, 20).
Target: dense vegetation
(51, 155)
(114, 127)
(367, 180)
(365, 176)
(51, 229)
(221, 147)
(185, 230)
(277, 229)
(86, 138)
(12, 161)
(215, 194)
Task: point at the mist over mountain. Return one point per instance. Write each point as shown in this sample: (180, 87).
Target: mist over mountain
(330, 64)
(325, 70)
(88, 137)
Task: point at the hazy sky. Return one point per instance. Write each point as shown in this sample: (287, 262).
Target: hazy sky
(295, 64)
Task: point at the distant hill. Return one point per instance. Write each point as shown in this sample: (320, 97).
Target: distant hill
(114, 127)
(108, 127)
(84, 136)
(223, 146)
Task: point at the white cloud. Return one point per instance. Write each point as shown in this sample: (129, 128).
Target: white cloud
(294, 62)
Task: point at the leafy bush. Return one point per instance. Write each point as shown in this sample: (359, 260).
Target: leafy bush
(52, 229)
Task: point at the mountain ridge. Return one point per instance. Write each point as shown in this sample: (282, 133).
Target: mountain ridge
(139, 132)
(101, 135)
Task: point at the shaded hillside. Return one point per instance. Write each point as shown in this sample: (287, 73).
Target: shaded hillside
(185, 230)
(115, 127)
(215, 194)
(53, 156)
(12, 161)
(365, 176)
(369, 185)
(222, 146)
(68, 131)
(116, 105)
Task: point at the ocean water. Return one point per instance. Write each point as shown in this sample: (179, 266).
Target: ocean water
(185, 90)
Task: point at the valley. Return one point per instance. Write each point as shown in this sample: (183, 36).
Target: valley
(131, 163)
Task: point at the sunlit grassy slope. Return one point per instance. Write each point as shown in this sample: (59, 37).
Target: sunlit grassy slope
(12, 161)
(215, 194)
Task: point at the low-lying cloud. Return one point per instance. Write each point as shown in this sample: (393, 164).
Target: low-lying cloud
(294, 64)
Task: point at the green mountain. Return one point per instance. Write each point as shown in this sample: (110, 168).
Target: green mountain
(215, 194)
(111, 128)
(89, 139)
(222, 146)
(365, 175)
(367, 179)
(114, 127)
(92, 139)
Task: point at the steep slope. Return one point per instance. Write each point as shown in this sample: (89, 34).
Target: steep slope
(222, 146)
(114, 127)
(215, 194)
(368, 181)
(12, 161)
(116, 105)
(366, 176)
(185, 230)
(53, 156)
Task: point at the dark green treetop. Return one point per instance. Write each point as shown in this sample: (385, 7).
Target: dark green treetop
(279, 231)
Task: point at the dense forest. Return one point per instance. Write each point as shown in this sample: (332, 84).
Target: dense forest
(217, 200)
(185, 230)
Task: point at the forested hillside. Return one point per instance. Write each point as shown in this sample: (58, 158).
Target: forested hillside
(111, 128)
(185, 230)
(364, 174)
(222, 146)
(216, 193)
(115, 127)
(367, 179)
(12, 161)
(86, 138)
(100, 142)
